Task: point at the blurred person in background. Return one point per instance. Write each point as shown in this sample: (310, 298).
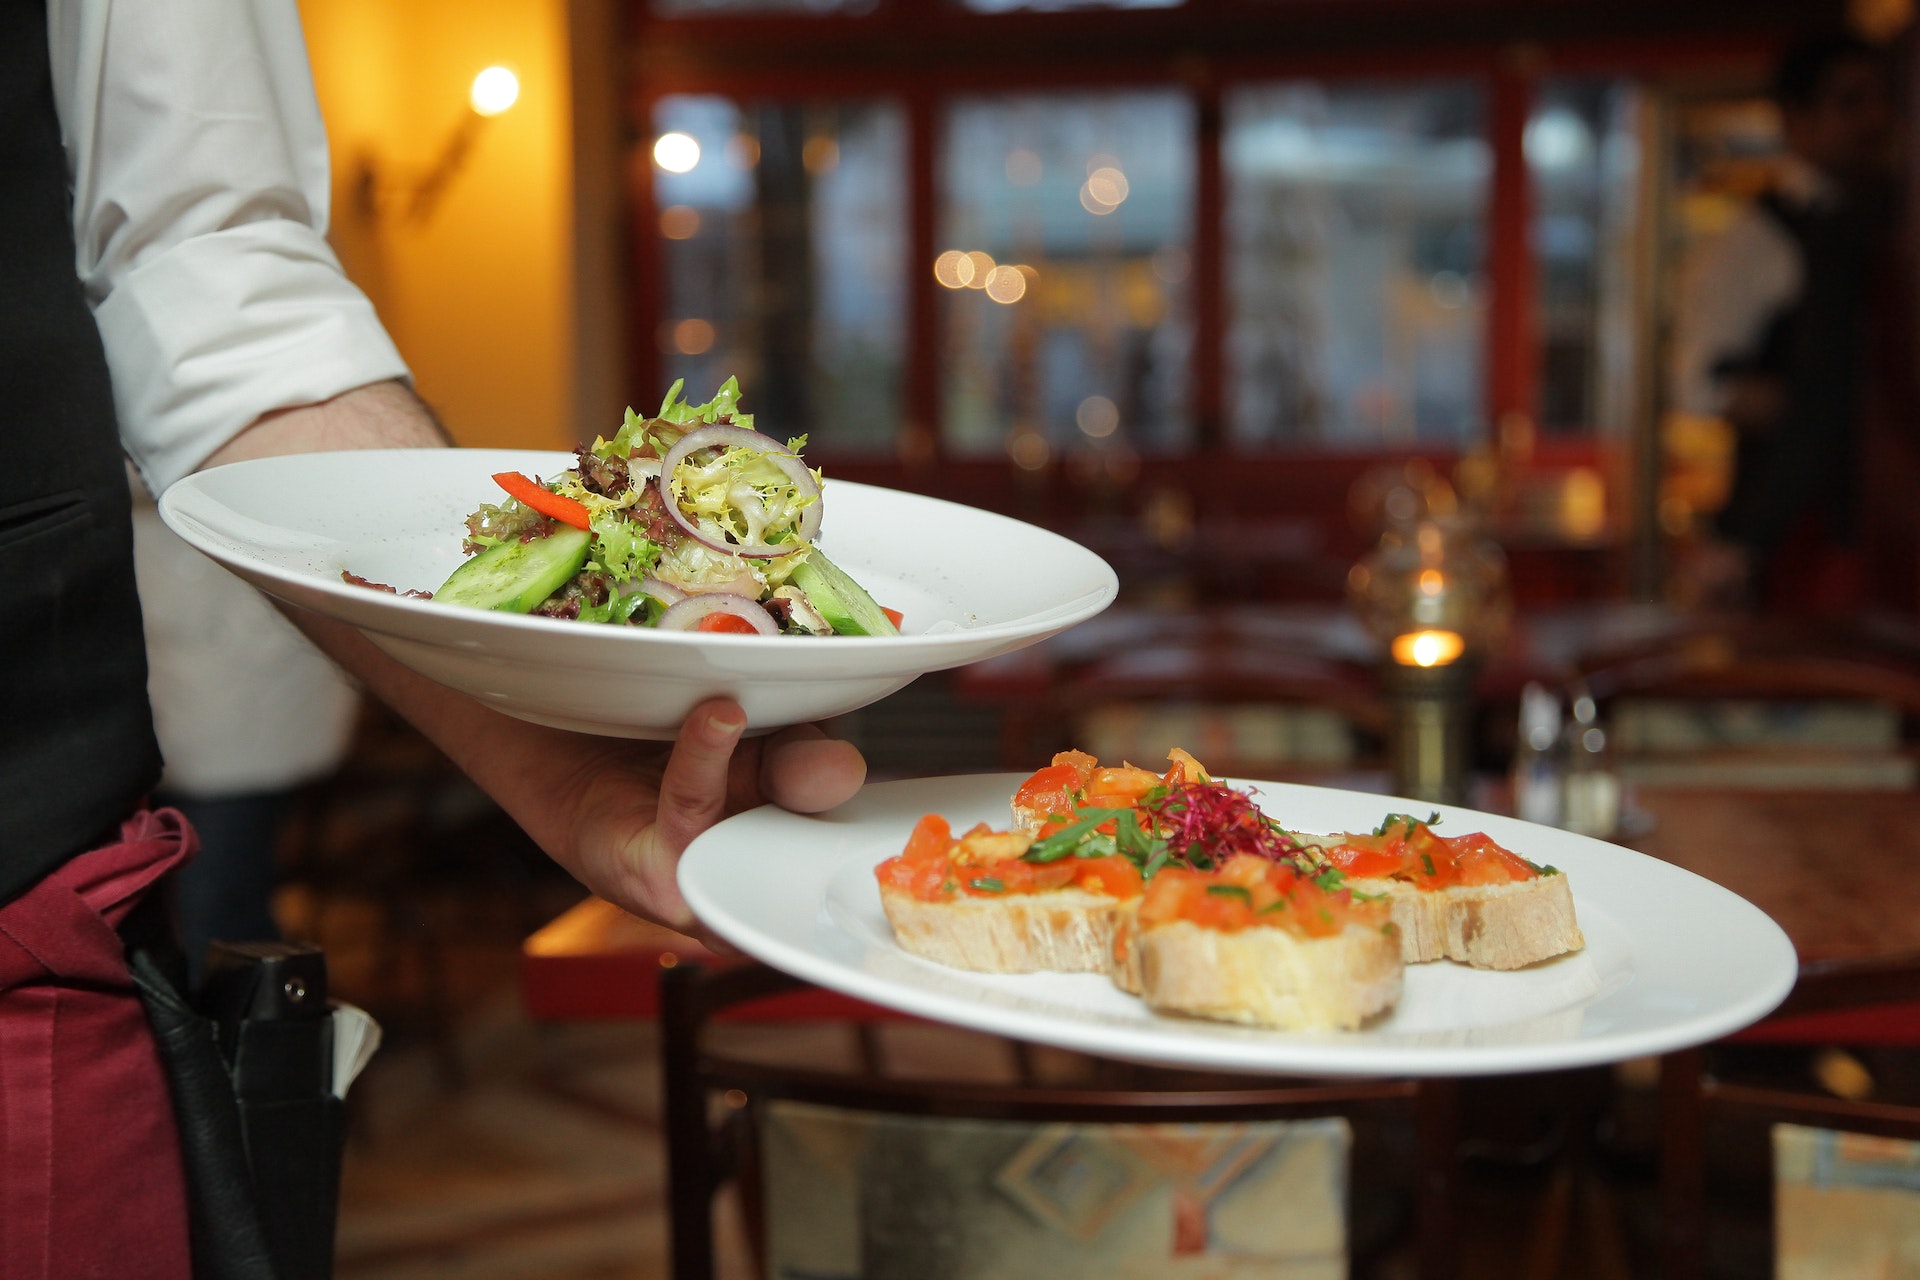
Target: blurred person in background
(167, 296)
(1772, 332)
(246, 711)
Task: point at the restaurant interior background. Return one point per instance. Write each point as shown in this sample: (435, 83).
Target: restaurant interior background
(1213, 287)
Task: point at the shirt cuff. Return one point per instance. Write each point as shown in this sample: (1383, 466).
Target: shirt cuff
(206, 337)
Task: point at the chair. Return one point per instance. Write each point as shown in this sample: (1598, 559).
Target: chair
(705, 1153)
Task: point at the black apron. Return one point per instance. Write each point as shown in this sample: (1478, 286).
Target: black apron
(77, 750)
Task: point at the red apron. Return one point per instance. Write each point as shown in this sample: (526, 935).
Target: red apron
(91, 1183)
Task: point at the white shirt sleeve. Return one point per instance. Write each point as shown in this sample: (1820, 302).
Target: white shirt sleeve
(1730, 291)
(200, 180)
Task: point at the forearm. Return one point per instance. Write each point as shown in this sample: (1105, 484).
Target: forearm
(513, 767)
(383, 415)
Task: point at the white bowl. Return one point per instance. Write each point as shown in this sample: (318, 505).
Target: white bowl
(971, 585)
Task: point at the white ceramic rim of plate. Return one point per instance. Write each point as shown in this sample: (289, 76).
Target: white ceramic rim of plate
(209, 541)
(1274, 1052)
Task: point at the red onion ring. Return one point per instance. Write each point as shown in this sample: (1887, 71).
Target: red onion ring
(665, 592)
(777, 453)
(686, 614)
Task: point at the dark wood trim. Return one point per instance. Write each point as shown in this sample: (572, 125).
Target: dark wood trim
(943, 43)
(1512, 354)
(920, 398)
(1208, 297)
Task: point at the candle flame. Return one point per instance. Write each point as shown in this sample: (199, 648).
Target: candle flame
(1428, 648)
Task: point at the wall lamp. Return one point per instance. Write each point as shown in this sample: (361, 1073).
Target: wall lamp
(493, 91)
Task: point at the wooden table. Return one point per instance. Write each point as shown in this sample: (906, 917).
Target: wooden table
(1840, 872)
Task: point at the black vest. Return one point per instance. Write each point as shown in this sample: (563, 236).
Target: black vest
(77, 750)
(1816, 347)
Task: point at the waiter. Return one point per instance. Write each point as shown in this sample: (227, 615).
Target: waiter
(166, 290)
(1772, 328)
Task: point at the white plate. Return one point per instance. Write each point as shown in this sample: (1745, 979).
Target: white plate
(1671, 959)
(971, 584)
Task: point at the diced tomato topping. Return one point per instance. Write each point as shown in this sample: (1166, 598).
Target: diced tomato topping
(1113, 876)
(1430, 861)
(1119, 788)
(1364, 862)
(1050, 790)
(932, 838)
(726, 622)
(1481, 861)
(1252, 891)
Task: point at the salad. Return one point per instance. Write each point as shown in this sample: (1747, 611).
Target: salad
(689, 520)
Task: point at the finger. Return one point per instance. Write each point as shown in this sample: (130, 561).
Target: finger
(805, 771)
(693, 789)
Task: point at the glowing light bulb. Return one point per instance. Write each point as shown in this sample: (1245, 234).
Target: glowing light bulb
(494, 90)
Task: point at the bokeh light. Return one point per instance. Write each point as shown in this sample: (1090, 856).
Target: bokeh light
(679, 222)
(953, 269)
(982, 268)
(1029, 449)
(1006, 284)
(821, 154)
(693, 337)
(494, 90)
(676, 152)
(1097, 417)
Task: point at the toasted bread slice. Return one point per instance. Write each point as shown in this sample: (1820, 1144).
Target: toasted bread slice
(1066, 930)
(1491, 926)
(1263, 976)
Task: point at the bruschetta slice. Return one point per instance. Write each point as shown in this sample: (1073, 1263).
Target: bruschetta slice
(1461, 898)
(980, 901)
(1257, 942)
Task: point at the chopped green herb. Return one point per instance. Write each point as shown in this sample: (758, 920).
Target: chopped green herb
(1540, 870)
(1426, 862)
(1406, 820)
(1331, 879)
(1160, 859)
(987, 884)
(1230, 891)
(1326, 916)
(1278, 904)
(1391, 929)
(1061, 843)
(1096, 846)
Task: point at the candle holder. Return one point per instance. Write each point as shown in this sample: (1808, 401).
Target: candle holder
(1435, 594)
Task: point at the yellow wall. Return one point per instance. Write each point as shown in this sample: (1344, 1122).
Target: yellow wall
(479, 294)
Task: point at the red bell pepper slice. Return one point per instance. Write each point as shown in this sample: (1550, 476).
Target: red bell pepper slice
(547, 503)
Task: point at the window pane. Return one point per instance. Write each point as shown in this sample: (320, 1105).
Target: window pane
(1067, 332)
(784, 244)
(1583, 158)
(1355, 237)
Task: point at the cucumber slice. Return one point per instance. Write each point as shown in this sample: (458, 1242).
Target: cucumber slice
(844, 603)
(514, 577)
